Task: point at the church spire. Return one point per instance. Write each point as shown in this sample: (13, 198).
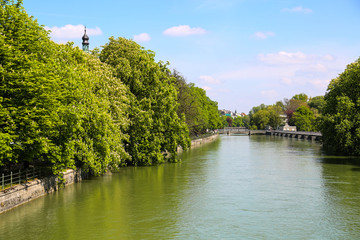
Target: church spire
(85, 42)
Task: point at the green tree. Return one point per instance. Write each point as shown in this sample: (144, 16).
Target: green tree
(224, 122)
(238, 122)
(263, 116)
(201, 113)
(257, 108)
(302, 97)
(303, 119)
(214, 117)
(246, 121)
(318, 103)
(340, 124)
(59, 106)
(291, 106)
(274, 116)
(281, 105)
(155, 127)
(260, 119)
(206, 111)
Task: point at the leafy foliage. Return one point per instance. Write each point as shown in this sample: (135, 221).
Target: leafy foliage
(239, 121)
(291, 106)
(263, 116)
(303, 119)
(155, 128)
(59, 106)
(201, 113)
(229, 121)
(317, 103)
(63, 108)
(300, 111)
(340, 124)
(302, 97)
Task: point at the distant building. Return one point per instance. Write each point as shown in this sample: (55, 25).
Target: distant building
(85, 42)
(286, 127)
(229, 113)
(224, 112)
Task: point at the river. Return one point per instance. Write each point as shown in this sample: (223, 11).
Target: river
(238, 187)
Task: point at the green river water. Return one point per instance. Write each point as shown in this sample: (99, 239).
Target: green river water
(238, 187)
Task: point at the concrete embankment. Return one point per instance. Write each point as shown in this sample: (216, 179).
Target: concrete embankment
(26, 192)
(198, 142)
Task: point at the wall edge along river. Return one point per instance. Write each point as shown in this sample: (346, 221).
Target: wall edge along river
(23, 193)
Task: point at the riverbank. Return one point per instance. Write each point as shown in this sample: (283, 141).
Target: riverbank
(200, 141)
(23, 193)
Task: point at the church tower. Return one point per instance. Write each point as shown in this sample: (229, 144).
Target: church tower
(85, 42)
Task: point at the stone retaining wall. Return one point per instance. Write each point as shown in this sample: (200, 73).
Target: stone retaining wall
(20, 194)
(197, 142)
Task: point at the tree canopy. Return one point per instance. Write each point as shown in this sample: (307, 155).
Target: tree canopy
(201, 113)
(59, 106)
(155, 128)
(340, 123)
(63, 108)
(304, 119)
(300, 111)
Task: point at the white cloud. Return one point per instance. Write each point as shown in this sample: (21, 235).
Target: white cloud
(209, 80)
(283, 58)
(72, 31)
(142, 37)
(315, 62)
(299, 9)
(289, 70)
(184, 30)
(206, 88)
(263, 35)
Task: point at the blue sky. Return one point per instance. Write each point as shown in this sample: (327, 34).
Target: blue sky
(242, 52)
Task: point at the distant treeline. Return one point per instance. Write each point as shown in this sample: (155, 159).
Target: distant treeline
(336, 114)
(63, 108)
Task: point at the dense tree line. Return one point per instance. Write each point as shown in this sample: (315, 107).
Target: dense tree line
(63, 108)
(300, 111)
(336, 115)
(155, 128)
(200, 112)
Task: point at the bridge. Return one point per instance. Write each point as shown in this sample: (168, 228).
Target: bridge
(240, 130)
(295, 134)
(290, 134)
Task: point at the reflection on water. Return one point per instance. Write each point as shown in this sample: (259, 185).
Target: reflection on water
(239, 187)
